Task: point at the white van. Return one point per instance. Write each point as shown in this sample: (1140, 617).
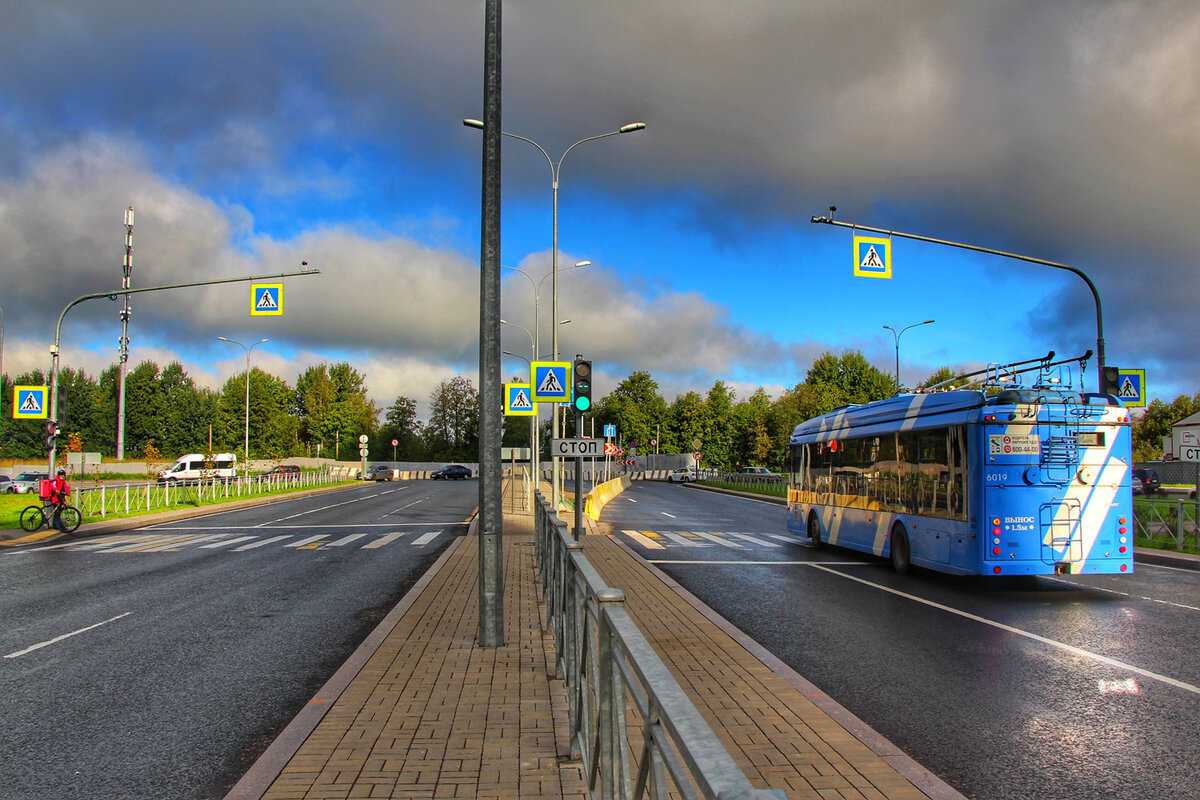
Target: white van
(192, 467)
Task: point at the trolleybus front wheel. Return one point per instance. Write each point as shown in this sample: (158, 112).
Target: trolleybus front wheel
(814, 530)
(901, 555)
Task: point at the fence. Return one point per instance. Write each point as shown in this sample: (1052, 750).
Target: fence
(1163, 521)
(610, 670)
(103, 501)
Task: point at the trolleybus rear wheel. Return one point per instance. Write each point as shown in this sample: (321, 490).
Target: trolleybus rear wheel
(901, 555)
(814, 530)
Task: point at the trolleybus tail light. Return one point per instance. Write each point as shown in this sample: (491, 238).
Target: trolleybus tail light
(996, 570)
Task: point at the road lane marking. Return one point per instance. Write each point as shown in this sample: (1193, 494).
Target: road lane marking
(665, 514)
(57, 639)
(683, 540)
(755, 540)
(345, 540)
(718, 562)
(186, 541)
(307, 541)
(386, 539)
(644, 541)
(1079, 651)
(718, 539)
(421, 541)
(227, 542)
(1074, 585)
(263, 542)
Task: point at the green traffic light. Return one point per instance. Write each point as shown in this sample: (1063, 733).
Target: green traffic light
(583, 403)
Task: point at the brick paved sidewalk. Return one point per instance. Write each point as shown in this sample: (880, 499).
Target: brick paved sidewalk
(432, 715)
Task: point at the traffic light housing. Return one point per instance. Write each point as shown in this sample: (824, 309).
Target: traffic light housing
(581, 385)
(1110, 379)
(49, 432)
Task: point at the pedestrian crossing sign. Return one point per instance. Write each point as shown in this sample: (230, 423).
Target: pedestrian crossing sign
(549, 381)
(1131, 387)
(518, 400)
(266, 299)
(872, 257)
(29, 402)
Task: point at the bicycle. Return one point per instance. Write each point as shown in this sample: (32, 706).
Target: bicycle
(34, 517)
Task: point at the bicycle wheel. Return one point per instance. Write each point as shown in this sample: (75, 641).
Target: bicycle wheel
(32, 518)
(70, 518)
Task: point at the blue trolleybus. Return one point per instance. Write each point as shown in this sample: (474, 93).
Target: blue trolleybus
(1004, 480)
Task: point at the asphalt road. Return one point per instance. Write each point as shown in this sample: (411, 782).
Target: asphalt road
(1053, 687)
(162, 662)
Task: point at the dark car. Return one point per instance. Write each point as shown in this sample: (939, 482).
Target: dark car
(1150, 481)
(282, 472)
(451, 472)
(379, 472)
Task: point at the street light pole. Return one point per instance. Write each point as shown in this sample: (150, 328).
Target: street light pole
(112, 295)
(1028, 259)
(535, 341)
(123, 350)
(246, 464)
(555, 171)
(897, 337)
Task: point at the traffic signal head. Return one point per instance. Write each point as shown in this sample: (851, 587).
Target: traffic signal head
(1110, 379)
(581, 385)
(49, 432)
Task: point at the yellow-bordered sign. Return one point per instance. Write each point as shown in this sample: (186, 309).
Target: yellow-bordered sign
(549, 381)
(518, 400)
(29, 402)
(872, 257)
(1131, 387)
(266, 299)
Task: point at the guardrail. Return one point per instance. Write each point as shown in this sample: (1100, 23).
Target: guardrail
(610, 670)
(103, 501)
(1167, 521)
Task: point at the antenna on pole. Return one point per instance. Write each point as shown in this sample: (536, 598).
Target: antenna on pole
(123, 342)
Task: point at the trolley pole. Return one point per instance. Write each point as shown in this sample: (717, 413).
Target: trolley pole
(829, 220)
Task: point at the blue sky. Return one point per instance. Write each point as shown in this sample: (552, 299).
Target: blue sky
(253, 136)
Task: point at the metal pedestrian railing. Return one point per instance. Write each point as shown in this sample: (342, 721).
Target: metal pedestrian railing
(1168, 521)
(122, 499)
(611, 672)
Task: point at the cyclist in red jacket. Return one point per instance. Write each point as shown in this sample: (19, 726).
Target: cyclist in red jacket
(59, 492)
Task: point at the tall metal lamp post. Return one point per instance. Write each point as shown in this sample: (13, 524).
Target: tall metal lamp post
(246, 465)
(897, 334)
(555, 170)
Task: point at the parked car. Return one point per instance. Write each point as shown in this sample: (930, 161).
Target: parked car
(1149, 480)
(379, 472)
(682, 476)
(279, 473)
(27, 482)
(1137, 484)
(6, 485)
(760, 472)
(451, 472)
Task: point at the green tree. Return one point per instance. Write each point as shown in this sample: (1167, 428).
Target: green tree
(719, 431)
(943, 374)
(332, 408)
(636, 408)
(1156, 422)
(400, 423)
(452, 433)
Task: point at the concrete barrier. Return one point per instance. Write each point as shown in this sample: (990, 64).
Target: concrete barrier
(594, 501)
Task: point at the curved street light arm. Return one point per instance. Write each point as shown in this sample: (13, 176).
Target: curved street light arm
(990, 251)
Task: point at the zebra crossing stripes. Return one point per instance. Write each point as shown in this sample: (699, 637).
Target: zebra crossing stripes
(661, 540)
(161, 541)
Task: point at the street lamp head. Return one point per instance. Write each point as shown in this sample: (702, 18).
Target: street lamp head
(223, 339)
(473, 123)
(926, 322)
(633, 126)
(583, 263)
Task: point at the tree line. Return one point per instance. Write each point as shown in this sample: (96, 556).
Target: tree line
(326, 410)
(167, 415)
